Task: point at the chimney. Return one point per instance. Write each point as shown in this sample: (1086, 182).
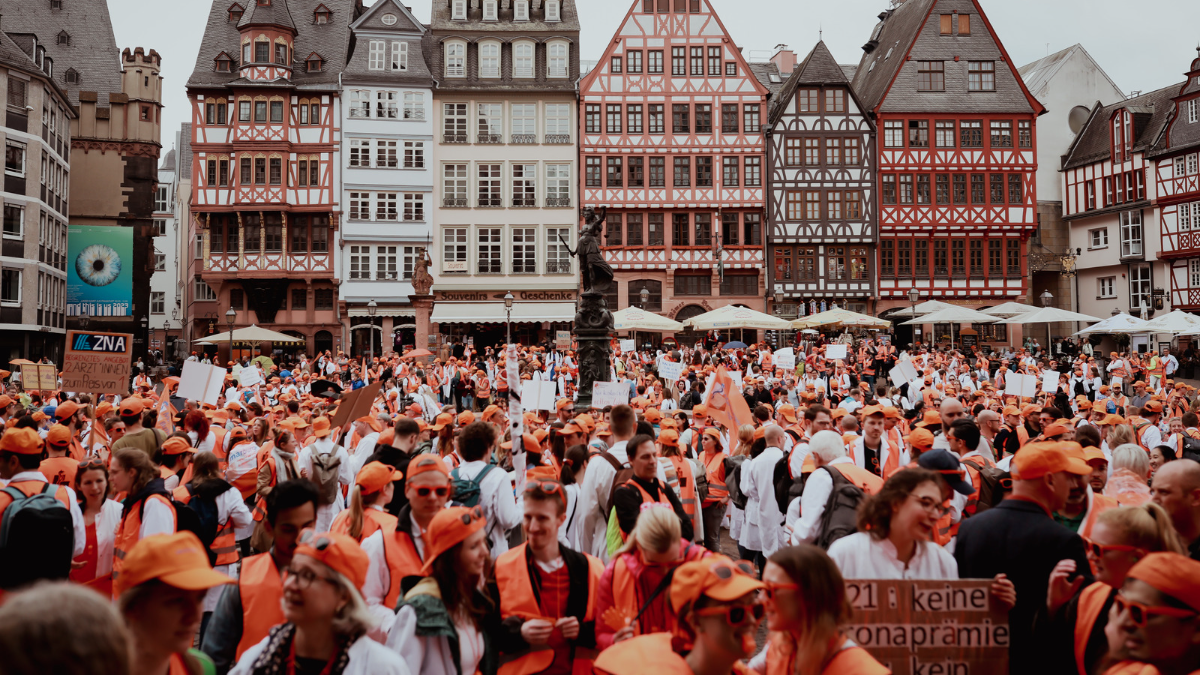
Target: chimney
(784, 59)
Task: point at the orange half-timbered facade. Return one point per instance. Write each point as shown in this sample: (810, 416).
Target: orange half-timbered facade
(1177, 184)
(266, 162)
(671, 141)
(957, 156)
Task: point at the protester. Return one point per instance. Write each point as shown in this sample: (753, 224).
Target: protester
(101, 516)
(832, 468)
(34, 623)
(712, 457)
(1177, 489)
(374, 487)
(1155, 618)
(146, 511)
(644, 488)
(492, 488)
(327, 464)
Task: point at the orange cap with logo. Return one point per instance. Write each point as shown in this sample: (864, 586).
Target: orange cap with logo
(338, 552)
(58, 435)
(24, 441)
(177, 560)
(448, 528)
(1036, 460)
(375, 476)
(425, 463)
(716, 577)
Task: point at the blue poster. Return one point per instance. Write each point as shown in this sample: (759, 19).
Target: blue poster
(99, 270)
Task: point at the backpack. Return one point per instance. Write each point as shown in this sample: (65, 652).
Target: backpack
(187, 520)
(733, 480)
(994, 484)
(466, 492)
(841, 510)
(207, 516)
(325, 474)
(784, 483)
(1110, 407)
(701, 474)
(624, 474)
(37, 538)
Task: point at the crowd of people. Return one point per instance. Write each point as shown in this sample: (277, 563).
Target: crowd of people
(450, 531)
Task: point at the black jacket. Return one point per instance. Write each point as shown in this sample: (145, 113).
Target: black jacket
(1018, 538)
(627, 500)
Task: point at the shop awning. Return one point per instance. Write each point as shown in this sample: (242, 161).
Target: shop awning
(382, 311)
(493, 312)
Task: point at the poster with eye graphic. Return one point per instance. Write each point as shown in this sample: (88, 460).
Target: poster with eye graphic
(99, 270)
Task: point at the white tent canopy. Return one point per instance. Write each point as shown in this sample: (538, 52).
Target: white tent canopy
(840, 317)
(1049, 315)
(1120, 324)
(927, 307)
(251, 333)
(1009, 309)
(632, 318)
(1175, 323)
(953, 314)
(732, 316)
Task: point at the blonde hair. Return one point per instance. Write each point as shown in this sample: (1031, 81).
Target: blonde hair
(1131, 457)
(357, 509)
(745, 438)
(1120, 434)
(1147, 527)
(656, 531)
(353, 620)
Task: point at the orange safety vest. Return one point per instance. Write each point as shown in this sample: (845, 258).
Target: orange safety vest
(224, 544)
(517, 599)
(1087, 612)
(717, 489)
(626, 597)
(1139, 425)
(1100, 504)
(129, 531)
(1156, 368)
(687, 487)
(400, 554)
(61, 470)
(261, 588)
(781, 659)
(30, 488)
(373, 520)
(865, 480)
(247, 483)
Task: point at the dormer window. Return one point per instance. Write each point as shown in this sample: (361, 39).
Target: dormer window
(523, 59)
(247, 53)
(399, 56)
(489, 10)
(321, 15)
(556, 61)
(489, 59)
(55, 4)
(224, 63)
(264, 3)
(552, 10)
(459, 8)
(64, 38)
(48, 66)
(521, 10)
(314, 63)
(235, 13)
(456, 59)
(375, 54)
(71, 76)
(1122, 136)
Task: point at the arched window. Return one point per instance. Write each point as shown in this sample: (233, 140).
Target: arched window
(71, 76)
(556, 59)
(523, 59)
(489, 59)
(456, 59)
(64, 38)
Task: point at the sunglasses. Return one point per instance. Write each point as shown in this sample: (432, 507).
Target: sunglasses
(439, 491)
(1098, 550)
(94, 463)
(549, 487)
(1139, 613)
(735, 615)
(772, 588)
(476, 513)
(312, 539)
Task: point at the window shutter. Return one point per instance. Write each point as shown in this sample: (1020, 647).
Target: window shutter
(964, 24)
(947, 24)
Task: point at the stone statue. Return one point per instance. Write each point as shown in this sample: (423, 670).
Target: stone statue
(422, 280)
(596, 275)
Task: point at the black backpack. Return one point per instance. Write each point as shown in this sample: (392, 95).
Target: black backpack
(467, 492)
(624, 475)
(203, 504)
(841, 511)
(186, 520)
(37, 538)
(733, 480)
(1191, 448)
(786, 487)
(994, 485)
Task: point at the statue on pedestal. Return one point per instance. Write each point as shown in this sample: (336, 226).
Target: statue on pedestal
(593, 321)
(422, 280)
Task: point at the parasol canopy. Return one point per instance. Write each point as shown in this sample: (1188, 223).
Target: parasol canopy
(251, 333)
(841, 317)
(732, 316)
(927, 307)
(1121, 324)
(1049, 315)
(953, 314)
(1008, 309)
(632, 318)
(1177, 322)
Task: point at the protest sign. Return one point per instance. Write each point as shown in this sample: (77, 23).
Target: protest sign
(562, 339)
(356, 404)
(1050, 382)
(39, 377)
(835, 352)
(609, 393)
(250, 376)
(930, 626)
(97, 363)
(786, 359)
(537, 395)
(669, 371)
(1016, 384)
(201, 382)
(628, 345)
(903, 371)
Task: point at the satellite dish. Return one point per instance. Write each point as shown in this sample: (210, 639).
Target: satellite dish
(1078, 117)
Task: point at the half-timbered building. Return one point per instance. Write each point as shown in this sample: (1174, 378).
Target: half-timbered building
(821, 152)
(1108, 200)
(1177, 187)
(671, 123)
(266, 162)
(957, 156)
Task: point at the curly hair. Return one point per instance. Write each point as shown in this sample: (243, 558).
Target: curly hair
(875, 513)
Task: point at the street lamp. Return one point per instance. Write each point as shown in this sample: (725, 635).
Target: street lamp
(508, 302)
(644, 296)
(913, 296)
(372, 307)
(230, 317)
(1047, 297)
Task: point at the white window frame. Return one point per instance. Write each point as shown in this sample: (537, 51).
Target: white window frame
(1192, 166)
(491, 11)
(1194, 273)
(456, 58)
(358, 268)
(451, 112)
(456, 250)
(456, 179)
(3, 300)
(160, 261)
(526, 120)
(399, 57)
(387, 105)
(1180, 166)
(495, 183)
(361, 103)
(521, 10)
(1132, 234)
(414, 207)
(1106, 287)
(360, 206)
(558, 180)
(1184, 217)
(158, 299)
(459, 10)
(377, 54)
(523, 181)
(524, 59)
(494, 123)
(556, 253)
(202, 292)
(20, 234)
(556, 124)
(414, 155)
(385, 263)
(1098, 238)
(387, 209)
(1192, 111)
(1138, 287)
(408, 261)
(359, 156)
(553, 10)
(24, 150)
(558, 66)
(495, 241)
(522, 248)
(386, 154)
(414, 105)
(489, 59)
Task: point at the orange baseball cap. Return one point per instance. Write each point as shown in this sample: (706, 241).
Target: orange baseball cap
(930, 418)
(58, 435)
(489, 411)
(387, 436)
(6, 400)
(370, 421)
(103, 408)
(872, 410)
(653, 415)
(442, 421)
(176, 446)
(375, 476)
(788, 412)
(448, 528)
(425, 463)
(530, 442)
(892, 412)
(669, 437)
(63, 411)
(1084, 404)
(586, 421)
(1152, 406)
(1093, 454)
(1171, 574)
(177, 560)
(562, 403)
(22, 441)
(1054, 429)
(541, 434)
(760, 432)
(338, 552)
(1011, 410)
(130, 407)
(465, 417)
(573, 428)
(716, 577)
(700, 409)
(1112, 418)
(1038, 459)
(320, 427)
(602, 430)
(920, 438)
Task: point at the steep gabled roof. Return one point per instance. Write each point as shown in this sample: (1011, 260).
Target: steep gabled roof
(819, 68)
(1181, 133)
(407, 29)
(406, 21)
(890, 41)
(1094, 142)
(92, 51)
(274, 13)
(768, 75)
(1039, 73)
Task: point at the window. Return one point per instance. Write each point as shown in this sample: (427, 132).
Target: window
(971, 134)
(360, 262)
(703, 230)
(558, 123)
(656, 122)
(941, 267)
(833, 151)
(414, 207)
(14, 158)
(976, 259)
(886, 258)
(1002, 134)
(809, 100)
(633, 124)
(634, 229)
(943, 188)
(158, 300)
(679, 230)
(323, 299)
(906, 188)
(10, 287)
(703, 118)
(360, 152)
(314, 63)
(616, 172)
(386, 105)
(977, 189)
(385, 206)
(697, 61)
(558, 260)
(893, 134)
(276, 171)
(17, 93)
(613, 118)
(524, 184)
(1139, 286)
(806, 264)
(454, 185)
(1107, 285)
(615, 65)
(740, 283)
(414, 105)
(888, 191)
(918, 133)
(299, 298)
(281, 54)
(1024, 134)
(693, 284)
(981, 75)
(680, 118)
(1016, 193)
(460, 10)
(997, 184)
(752, 172)
(835, 101)
(489, 185)
(964, 24)
(557, 53)
(704, 171)
(730, 172)
(1191, 111)
(491, 122)
(489, 10)
(244, 111)
(633, 62)
(714, 61)
(414, 155)
(592, 172)
(385, 262)
(262, 52)
(1090, 193)
(456, 55)
(360, 103)
(591, 118)
(751, 114)
(812, 152)
(523, 60)
(931, 76)
(729, 118)
(658, 172)
(489, 59)
(524, 250)
(683, 169)
(1131, 233)
(276, 112)
(1099, 238)
(752, 229)
(944, 133)
(552, 10)
(920, 256)
(812, 205)
(454, 249)
(14, 220)
(835, 264)
(947, 24)
(488, 239)
(1014, 258)
(524, 122)
(654, 62)
(923, 195)
(385, 154)
(612, 231)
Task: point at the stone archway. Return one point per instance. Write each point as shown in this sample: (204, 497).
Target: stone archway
(689, 336)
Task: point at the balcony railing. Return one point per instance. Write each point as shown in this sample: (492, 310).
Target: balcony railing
(490, 202)
(553, 267)
(454, 138)
(490, 139)
(558, 139)
(524, 201)
(454, 202)
(558, 202)
(524, 139)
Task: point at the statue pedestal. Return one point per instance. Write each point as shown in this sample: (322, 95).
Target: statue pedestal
(424, 306)
(593, 332)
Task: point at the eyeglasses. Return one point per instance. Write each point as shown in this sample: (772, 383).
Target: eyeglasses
(1139, 613)
(305, 578)
(933, 506)
(476, 513)
(771, 589)
(735, 615)
(1098, 550)
(441, 492)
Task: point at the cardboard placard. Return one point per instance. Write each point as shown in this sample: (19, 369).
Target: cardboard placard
(916, 627)
(39, 377)
(835, 352)
(538, 395)
(355, 404)
(562, 339)
(97, 363)
(669, 371)
(1050, 382)
(249, 376)
(200, 382)
(785, 358)
(628, 346)
(609, 393)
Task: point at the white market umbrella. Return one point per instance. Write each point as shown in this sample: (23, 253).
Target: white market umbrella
(632, 318)
(927, 307)
(1008, 309)
(1175, 323)
(841, 317)
(731, 316)
(1049, 315)
(251, 333)
(953, 315)
(1121, 324)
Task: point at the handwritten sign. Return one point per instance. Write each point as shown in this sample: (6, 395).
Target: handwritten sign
(915, 627)
(835, 352)
(562, 339)
(97, 363)
(609, 393)
(786, 359)
(1050, 382)
(628, 346)
(39, 377)
(201, 382)
(669, 371)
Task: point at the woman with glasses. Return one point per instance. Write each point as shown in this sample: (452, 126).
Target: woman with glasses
(806, 609)
(325, 619)
(440, 625)
(717, 609)
(101, 516)
(1154, 624)
(1120, 538)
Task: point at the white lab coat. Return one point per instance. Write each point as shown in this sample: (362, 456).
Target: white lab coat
(498, 502)
(812, 504)
(230, 506)
(106, 533)
(430, 655)
(861, 556)
(763, 528)
(367, 657)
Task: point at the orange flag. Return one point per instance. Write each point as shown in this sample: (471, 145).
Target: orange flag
(726, 405)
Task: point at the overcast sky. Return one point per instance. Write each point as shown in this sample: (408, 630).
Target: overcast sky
(1144, 49)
